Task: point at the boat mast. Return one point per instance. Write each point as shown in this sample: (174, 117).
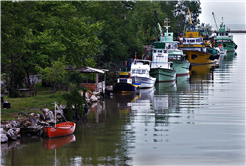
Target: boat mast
(166, 21)
(55, 113)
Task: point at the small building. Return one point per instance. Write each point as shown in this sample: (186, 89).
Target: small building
(96, 86)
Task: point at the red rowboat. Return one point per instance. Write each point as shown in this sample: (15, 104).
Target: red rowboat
(53, 143)
(61, 129)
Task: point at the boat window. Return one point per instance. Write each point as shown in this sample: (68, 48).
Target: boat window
(143, 71)
(192, 41)
(138, 71)
(184, 40)
(193, 56)
(164, 51)
(197, 40)
(159, 51)
(154, 51)
(133, 71)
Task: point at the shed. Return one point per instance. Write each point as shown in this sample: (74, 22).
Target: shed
(97, 86)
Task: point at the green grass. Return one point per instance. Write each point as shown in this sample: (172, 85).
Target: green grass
(43, 99)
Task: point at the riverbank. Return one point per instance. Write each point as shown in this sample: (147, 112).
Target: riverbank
(28, 115)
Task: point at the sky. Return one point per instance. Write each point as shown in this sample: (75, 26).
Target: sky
(232, 11)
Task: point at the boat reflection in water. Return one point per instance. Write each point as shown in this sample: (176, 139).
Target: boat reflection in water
(202, 72)
(143, 102)
(164, 87)
(182, 83)
(123, 99)
(230, 56)
(53, 143)
(164, 101)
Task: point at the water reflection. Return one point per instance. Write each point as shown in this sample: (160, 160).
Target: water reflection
(53, 143)
(202, 72)
(230, 56)
(122, 101)
(164, 87)
(182, 83)
(143, 101)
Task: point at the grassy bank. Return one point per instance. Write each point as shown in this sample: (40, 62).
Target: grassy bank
(43, 99)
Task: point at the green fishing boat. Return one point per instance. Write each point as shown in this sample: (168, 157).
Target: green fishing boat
(161, 68)
(175, 55)
(222, 36)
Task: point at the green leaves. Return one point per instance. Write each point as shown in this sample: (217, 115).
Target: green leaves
(56, 73)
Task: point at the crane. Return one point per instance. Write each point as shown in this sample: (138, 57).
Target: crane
(215, 22)
(189, 15)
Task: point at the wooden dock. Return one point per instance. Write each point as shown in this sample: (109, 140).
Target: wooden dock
(237, 31)
(234, 31)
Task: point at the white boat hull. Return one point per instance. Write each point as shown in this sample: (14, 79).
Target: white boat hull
(146, 82)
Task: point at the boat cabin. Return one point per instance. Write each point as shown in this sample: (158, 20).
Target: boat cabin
(124, 80)
(140, 67)
(160, 59)
(192, 41)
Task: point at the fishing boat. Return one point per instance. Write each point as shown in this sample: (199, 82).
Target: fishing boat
(175, 55)
(222, 36)
(140, 73)
(161, 69)
(193, 46)
(125, 83)
(59, 130)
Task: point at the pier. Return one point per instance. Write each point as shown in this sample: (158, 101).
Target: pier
(233, 31)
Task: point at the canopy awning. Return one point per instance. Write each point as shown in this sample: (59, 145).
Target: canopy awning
(87, 69)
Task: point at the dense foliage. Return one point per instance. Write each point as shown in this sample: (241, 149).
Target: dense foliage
(101, 33)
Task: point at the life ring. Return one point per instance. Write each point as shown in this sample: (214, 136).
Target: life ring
(191, 35)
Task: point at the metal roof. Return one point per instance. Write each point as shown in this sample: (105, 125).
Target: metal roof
(87, 69)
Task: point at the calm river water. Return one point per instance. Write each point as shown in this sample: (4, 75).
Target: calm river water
(198, 120)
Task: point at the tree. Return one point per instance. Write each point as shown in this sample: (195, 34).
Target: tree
(143, 17)
(178, 12)
(13, 33)
(74, 99)
(56, 73)
(61, 29)
(40, 32)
